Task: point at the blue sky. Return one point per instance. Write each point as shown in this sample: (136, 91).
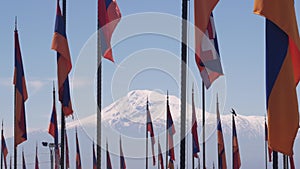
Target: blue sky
(241, 41)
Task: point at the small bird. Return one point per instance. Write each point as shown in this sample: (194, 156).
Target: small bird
(233, 112)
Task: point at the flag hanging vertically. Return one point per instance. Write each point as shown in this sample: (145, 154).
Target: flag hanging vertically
(36, 158)
(171, 131)
(171, 164)
(53, 131)
(3, 148)
(78, 158)
(206, 55)
(221, 146)
(23, 160)
(195, 141)
(150, 130)
(266, 139)
(160, 156)
(235, 147)
(282, 72)
(94, 158)
(109, 16)
(64, 65)
(67, 152)
(292, 163)
(20, 95)
(108, 161)
(122, 158)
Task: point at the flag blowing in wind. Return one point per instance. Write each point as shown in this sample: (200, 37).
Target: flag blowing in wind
(122, 159)
(109, 16)
(151, 131)
(4, 148)
(221, 146)
(235, 147)
(196, 147)
(171, 131)
(20, 95)
(78, 158)
(64, 65)
(207, 56)
(282, 72)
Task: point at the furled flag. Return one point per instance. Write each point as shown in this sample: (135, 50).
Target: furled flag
(171, 131)
(150, 130)
(160, 156)
(109, 16)
(235, 147)
(78, 159)
(122, 158)
(282, 72)
(67, 151)
(53, 131)
(23, 160)
(20, 95)
(196, 147)
(266, 139)
(36, 158)
(10, 163)
(64, 65)
(221, 146)
(207, 56)
(4, 148)
(94, 158)
(292, 163)
(108, 161)
(171, 164)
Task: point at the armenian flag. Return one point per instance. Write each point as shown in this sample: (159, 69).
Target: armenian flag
(109, 16)
(171, 131)
(160, 156)
(282, 72)
(151, 131)
(64, 65)
(221, 146)
(235, 147)
(196, 147)
(4, 148)
(108, 161)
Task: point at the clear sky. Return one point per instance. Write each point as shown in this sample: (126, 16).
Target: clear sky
(241, 41)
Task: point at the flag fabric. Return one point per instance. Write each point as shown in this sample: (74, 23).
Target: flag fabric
(36, 158)
(64, 65)
(151, 131)
(266, 139)
(4, 148)
(160, 156)
(235, 147)
(108, 161)
(221, 146)
(94, 158)
(10, 163)
(195, 141)
(20, 95)
(78, 159)
(292, 163)
(23, 160)
(53, 131)
(122, 158)
(67, 151)
(282, 72)
(207, 56)
(171, 164)
(109, 16)
(171, 131)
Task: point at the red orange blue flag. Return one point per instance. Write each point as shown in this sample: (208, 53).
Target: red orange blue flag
(194, 131)
(94, 158)
(171, 131)
(20, 95)
(4, 148)
(64, 65)
(235, 147)
(282, 72)
(221, 146)
(151, 131)
(266, 139)
(207, 58)
(160, 156)
(78, 158)
(122, 158)
(108, 161)
(109, 16)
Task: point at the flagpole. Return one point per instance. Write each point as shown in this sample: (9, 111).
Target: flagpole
(232, 142)
(266, 149)
(275, 160)
(147, 138)
(62, 142)
(203, 123)
(1, 146)
(183, 82)
(99, 93)
(285, 161)
(15, 118)
(167, 130)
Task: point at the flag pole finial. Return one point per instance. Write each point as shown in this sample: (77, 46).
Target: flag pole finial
(2, 124)
(233, 112)
(16, 23)
(53, 86)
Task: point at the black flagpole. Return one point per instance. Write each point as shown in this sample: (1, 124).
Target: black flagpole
(1, 146)
(63, 123)
(147, 135)
(203, 123)
(99, 93)
(275, 160)
(15, 120)
(167, 130)
(183, 82)
(266, 147)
